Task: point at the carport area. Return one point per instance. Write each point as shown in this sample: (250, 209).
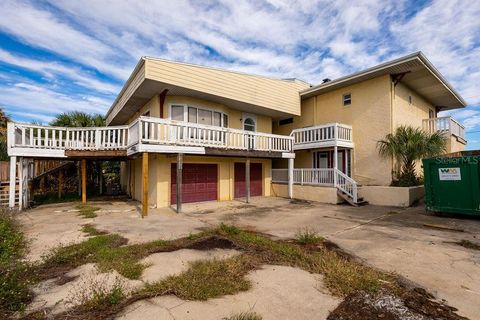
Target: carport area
(424, 249)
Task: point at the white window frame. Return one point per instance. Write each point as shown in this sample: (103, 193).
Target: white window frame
(251, 116)
(343, 99)
(185, 113)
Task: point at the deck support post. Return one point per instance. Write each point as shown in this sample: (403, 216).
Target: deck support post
(84, 181)
(290, 177)
(144, 184)
(179, 181)
(20, 183)
(335, 165)
(335, 155)
(13, 181)
(60, 184)
(100, 179)
(247, 179)
(79, 175)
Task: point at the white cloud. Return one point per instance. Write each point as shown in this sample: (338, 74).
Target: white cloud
(42, 29)
(50, 69)
(307, 39)
(448, 32)
(41, 100)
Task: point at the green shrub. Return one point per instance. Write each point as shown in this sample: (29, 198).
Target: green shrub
(308, 236)
(14, 280)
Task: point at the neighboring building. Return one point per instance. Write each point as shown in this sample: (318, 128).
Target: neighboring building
(222, 126)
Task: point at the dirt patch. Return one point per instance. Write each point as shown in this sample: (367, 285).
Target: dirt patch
(467, 244)
(63, 279)
(300, 202)
(414, 304)
(211, 243)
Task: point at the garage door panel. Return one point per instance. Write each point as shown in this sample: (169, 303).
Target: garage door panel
(255, 180)
(199, 182)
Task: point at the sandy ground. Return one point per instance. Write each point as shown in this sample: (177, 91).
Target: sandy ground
(392, 239)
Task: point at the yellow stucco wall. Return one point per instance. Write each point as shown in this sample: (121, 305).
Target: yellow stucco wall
(407, 114)
(370, 116)
(454, 145)
(309, 193)
(160, 176)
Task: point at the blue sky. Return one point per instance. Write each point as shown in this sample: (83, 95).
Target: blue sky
(68, 55)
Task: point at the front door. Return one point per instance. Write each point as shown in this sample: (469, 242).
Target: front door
(324, 160)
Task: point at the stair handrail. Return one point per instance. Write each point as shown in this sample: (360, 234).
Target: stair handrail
(346, 184)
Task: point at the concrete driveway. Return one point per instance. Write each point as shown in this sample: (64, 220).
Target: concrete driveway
(407, 241)
(417, 246)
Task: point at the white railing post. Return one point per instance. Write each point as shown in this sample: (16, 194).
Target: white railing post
(13, 181)
(290, 178)
(301, 177)
(98, 139)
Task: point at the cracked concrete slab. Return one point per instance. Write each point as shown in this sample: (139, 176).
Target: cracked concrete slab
(278, 293)
(84, 280)
(392, 239)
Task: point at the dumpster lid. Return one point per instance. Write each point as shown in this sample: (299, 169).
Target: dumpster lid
(459, 154)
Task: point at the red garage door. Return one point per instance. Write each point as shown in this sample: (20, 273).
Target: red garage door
(255, 180)
(199, 182)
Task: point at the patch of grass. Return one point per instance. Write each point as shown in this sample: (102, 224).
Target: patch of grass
(14, 281)
(206, 279)
(87, 211)
(341, 275)
(92, 231)
(249, 315)
(209, 279)
(50, 198)
(308, 237)
(101, 297)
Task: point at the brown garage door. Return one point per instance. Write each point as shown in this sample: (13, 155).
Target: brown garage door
(199, 182)
(255, 180)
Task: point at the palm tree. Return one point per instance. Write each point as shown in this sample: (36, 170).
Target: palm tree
(78, 119)
(4, 119)
(407, 145)
(81, 119)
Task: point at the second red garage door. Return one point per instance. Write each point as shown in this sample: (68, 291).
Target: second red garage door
(255, 180)
(199, 182)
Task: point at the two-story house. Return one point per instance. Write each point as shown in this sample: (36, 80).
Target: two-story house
(188, 133)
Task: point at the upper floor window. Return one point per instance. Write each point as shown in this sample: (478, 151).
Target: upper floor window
(249, 124)
(347, 99)
(198, 115)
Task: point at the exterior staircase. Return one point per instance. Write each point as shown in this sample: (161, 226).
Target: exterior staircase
(347, 189)
(37, 170)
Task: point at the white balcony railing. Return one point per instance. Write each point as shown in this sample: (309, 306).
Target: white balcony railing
(306, 176)
(62, 138)
(148, 130)
(322, 136)
(446, 125)
(38, 140)
(319, 177)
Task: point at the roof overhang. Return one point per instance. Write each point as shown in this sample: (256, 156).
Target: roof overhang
(416, 72)
(250, 93)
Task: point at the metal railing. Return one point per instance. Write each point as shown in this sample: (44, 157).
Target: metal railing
(447, 125)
